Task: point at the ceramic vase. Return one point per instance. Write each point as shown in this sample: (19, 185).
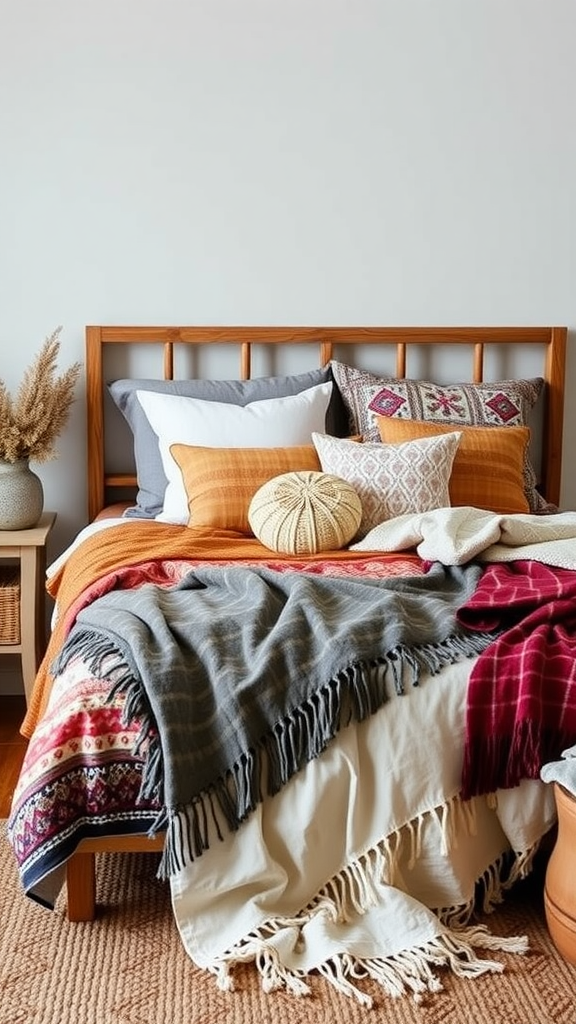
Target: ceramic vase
(21, 495)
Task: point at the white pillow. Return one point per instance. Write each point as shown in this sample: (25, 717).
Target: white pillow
(392, 479)
(268, 423)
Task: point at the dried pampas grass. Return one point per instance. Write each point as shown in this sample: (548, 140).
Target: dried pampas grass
(32, 420)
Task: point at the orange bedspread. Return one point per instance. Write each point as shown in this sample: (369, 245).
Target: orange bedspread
(136, 541)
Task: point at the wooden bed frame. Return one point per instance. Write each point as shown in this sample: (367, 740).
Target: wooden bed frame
(104, 487)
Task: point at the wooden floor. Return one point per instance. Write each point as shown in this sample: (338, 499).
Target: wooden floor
(12, 748)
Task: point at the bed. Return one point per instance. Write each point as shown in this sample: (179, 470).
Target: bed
(308, 700)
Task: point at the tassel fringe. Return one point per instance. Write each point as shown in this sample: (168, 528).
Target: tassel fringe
(356, 693)
(354, 890)
(410, 972)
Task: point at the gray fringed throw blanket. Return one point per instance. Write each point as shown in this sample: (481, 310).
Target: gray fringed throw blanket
(240, 676)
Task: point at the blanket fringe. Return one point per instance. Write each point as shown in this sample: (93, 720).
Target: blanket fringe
(409, 972)
(503, 761)
(355, 889)
(354, 694)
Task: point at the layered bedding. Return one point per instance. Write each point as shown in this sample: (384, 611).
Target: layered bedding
(331, 696)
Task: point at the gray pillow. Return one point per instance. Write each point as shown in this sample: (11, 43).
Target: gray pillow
(149, 470)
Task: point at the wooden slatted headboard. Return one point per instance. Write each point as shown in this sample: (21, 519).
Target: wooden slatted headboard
(102, 485)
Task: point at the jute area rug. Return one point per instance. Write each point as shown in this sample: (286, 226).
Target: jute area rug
(129, 967)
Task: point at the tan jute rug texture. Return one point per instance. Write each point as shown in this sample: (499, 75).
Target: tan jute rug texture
(129, 967)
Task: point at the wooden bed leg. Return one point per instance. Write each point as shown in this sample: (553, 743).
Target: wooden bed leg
(81, 886)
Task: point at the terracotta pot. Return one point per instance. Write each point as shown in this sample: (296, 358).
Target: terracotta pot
(560, 886)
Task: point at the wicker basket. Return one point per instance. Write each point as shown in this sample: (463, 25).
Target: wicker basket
(9, 605)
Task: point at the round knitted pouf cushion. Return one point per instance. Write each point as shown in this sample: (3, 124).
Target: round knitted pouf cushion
(304, 512)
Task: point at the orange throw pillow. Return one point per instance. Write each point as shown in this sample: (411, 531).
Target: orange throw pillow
(221, 482)
(488, 466)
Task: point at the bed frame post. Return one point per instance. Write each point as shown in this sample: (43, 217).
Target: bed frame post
(81, 886)
(81, 868)
(554, 413)
(95, 420)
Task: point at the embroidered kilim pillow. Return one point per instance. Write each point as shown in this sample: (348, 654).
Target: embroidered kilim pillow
(392, 479)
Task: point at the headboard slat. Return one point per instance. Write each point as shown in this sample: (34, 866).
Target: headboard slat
(478, 372)
(400, 359)
(168, 361)
(245, 360)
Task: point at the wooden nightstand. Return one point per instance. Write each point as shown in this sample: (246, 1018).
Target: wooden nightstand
(23, 567)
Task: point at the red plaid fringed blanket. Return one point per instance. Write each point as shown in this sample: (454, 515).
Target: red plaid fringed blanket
(521, 709)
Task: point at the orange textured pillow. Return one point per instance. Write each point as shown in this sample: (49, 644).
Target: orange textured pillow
(488, 466)
(221, 482)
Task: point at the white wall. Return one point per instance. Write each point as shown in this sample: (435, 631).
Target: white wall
(281, 161)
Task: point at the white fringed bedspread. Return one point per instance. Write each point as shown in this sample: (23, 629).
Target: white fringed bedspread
(318, 880)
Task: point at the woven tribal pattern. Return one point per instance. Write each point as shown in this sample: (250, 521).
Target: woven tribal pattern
(501, 403)
(504, 403)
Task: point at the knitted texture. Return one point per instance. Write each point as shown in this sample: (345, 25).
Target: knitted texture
(305, 512)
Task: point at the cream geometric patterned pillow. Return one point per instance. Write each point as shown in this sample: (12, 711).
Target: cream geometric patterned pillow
(392, 479)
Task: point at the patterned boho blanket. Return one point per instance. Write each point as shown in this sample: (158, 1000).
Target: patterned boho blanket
(521, 709)
(240, 676)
